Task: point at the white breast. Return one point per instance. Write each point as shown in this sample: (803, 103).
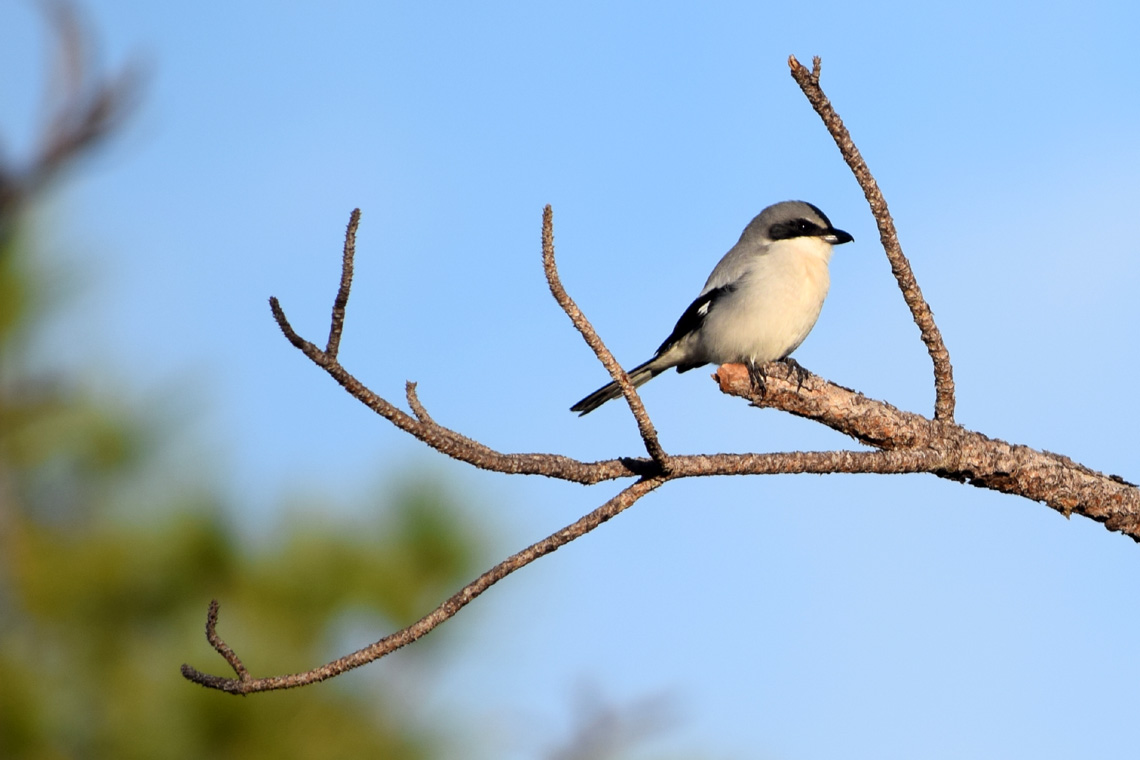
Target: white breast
(775, 305)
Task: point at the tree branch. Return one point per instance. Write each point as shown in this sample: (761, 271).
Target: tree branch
(956, 453)
(244, 684)
(888, 236)
(904, 442)
(644, 424)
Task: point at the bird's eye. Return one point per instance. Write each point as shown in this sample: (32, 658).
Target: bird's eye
(793, 228)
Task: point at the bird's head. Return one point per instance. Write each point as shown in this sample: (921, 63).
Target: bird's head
(794, 219)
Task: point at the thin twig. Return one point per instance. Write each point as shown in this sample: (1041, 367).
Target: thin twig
(455, 438)
(900, 266)
(618, 504)
(415, 405)
(220, 646)
(337, 325)
(644, 424)
(309, 349)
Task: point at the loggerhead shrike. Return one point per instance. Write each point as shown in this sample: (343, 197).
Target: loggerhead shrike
(759, 303)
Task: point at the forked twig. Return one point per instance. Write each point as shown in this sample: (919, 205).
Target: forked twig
(888, 236)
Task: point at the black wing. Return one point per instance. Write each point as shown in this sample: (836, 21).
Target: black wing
(693, 317)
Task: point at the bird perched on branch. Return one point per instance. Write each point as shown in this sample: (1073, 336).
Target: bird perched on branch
(759, 303)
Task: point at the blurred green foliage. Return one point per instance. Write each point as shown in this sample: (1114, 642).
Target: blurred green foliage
(100, 605)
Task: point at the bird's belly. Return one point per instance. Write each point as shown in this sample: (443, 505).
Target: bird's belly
(762, 329)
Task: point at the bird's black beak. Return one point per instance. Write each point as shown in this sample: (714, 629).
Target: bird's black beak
(836, 237)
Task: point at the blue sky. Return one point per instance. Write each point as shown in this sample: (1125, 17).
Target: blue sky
(793, 617)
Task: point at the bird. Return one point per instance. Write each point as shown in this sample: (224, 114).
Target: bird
(760, 302)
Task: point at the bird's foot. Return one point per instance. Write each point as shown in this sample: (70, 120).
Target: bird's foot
(795, 368)
(758, 377)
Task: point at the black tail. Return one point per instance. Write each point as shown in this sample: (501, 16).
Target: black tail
(639, 375)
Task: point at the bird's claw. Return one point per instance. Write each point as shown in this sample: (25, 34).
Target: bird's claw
(797, 369)
(758, 374)
(759, 378)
